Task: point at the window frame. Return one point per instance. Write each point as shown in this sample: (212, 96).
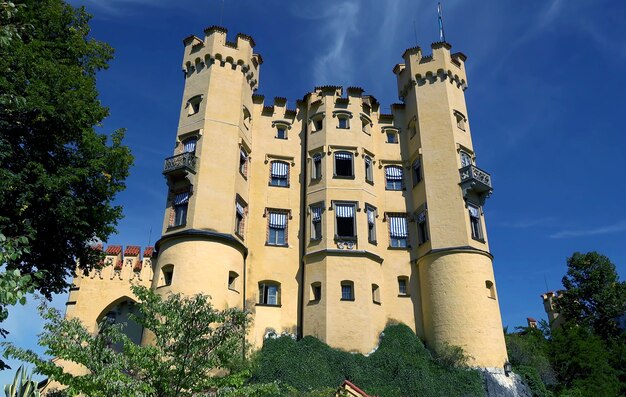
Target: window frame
(371, 231)
(316, 235)
(232, 280)
(243, 162)
(316, 292)
(403, 280)
(416, 171)
(394, 184)
(274, 232)
(396, 241)
(476, 227)
(167, 272)
(369, 169)
(264, 293)
(376, 294)
(275, 180)
(316, 166)
(421, 221)
(354, 222)
(193, 104)
(335, 175)
(465, 155)
(350, 297)
(179, 212)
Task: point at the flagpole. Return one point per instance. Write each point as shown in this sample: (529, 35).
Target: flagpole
(442, 35)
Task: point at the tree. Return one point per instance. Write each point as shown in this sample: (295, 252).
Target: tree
(58, 176)
(190, 338)
(593, 294)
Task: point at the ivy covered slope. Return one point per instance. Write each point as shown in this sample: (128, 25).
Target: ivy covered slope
(401, 366)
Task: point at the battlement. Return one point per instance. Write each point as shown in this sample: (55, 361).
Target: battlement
(278, 109)
(216, 50)
(123, 263)
(420, 69)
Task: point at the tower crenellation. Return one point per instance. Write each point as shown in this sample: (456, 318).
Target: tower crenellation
(331, 218)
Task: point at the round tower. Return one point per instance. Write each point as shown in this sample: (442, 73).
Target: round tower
(457, 286)
(203, 247)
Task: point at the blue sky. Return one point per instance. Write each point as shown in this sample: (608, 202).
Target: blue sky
(545, 104)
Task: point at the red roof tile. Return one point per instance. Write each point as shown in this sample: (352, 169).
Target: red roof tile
(132, 250)
(138, 265)
(148, 252)
(118, 265)
(114, 249)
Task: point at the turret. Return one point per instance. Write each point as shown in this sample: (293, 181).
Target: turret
(457, 284)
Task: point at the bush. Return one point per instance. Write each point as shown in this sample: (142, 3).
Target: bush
(402, 366)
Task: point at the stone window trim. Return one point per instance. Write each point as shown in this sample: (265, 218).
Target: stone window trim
(240, 224)
(347, 290)
(475, 212)
(281, 124)
(343, 115)
(193, 104)
(179, 149)
(366, 123)
(464, 149)
(355, 205)
(388, 128)
(338, 161)
(170, 203)
(270, 159)
(317, 120)
(394, 184)
(313, 234)
(313, 155)
(289, 217)
(403, 282)
(407, 239)
(269, 293)
(461, 120)
(371, 226)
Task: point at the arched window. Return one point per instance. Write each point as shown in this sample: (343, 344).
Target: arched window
(279, 173)
(347, 290)
(316, 167)
(393, 177)
(189, 144)
(466, 159)
(344, 167)
(269, 293)
(121, 312)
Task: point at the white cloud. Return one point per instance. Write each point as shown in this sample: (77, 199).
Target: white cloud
(614, 228)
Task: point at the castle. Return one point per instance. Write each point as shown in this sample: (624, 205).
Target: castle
(329, 218)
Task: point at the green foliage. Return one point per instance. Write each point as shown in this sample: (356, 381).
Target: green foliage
(582, 362)
(190, 338)
(529, 349)
(531, 377)
(22, 386)
(58, 177)
(593, 294)
(401, 366)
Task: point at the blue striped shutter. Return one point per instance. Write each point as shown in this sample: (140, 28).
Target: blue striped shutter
(398, 227)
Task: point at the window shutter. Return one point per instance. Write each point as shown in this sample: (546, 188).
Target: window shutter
(279, 169)
(189, 146)
(181, 198)
(316, 214)
(344, 210)
(343, 156)
(398, 227)
(278, 220)
(239, 208)
(393, 173)
(473, 211)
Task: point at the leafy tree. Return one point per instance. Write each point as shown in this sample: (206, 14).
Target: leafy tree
(190, 338)
(593, 294)
(58, 176)
(529, 348)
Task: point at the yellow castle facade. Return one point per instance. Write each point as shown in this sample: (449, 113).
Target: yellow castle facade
(329, 218)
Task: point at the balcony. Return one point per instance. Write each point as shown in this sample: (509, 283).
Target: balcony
(477, 181)
(180, 164)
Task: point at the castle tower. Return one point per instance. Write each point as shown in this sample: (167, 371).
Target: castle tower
(458, 292)
(200, 249)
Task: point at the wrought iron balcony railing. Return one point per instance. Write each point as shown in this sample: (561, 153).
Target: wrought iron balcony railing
(185, 162)
(473, 179)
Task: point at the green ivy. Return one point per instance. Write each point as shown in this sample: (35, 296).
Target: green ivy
(402, 366)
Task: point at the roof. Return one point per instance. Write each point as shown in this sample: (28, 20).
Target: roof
(348, 388)
(148, 252)
(114, 249)
(132, 250)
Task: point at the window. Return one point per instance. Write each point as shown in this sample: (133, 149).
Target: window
(269, 293)
(392, 136)
(369, 172)
(393, 177)
(422, 228)
(316, 291)
(347, 290)
(460, 120)
(247, 118)
(277, 225)
(343, 121)
(243, 162)
(417, 171)
(168, 274)
(180, 205)
(398, 232)
(316, 222)
(375, 294)
(466, 159)
(318, 124)
(232, 280)
(365, 125)
(281, 132)
(403, 282)
(240, 219)
(316, 167)
(412, 128)
(345, 223)
(371, 224)
(491, 288)
(193, 105)
(343, 165)
(279, 173)
(477, 229)
(189, 145)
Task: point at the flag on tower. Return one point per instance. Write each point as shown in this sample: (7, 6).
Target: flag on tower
(442, 35)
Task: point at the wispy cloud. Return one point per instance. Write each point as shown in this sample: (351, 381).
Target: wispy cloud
(614, 228)
(338, 19)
